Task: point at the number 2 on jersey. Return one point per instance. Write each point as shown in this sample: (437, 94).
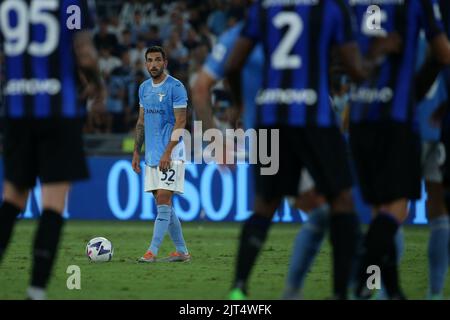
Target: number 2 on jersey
(281, 56)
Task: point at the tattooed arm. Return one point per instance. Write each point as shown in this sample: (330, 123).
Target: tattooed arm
(138, 142)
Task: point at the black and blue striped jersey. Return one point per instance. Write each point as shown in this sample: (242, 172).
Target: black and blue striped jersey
(297, 37)
(40, 72)
(388, 94)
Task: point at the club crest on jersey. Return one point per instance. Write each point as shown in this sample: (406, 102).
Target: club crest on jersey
(161, 96)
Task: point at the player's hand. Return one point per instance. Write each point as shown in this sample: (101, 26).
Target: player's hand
(136, 162)
(164, 162)
(221, 157)
(381, 46)
(99, 98)
(438, 115)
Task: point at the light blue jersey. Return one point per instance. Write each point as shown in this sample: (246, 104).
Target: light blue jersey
(435, 96)
(158, 101)
(252, 73)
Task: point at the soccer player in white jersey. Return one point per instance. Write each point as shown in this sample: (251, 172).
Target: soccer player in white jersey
(163, 103)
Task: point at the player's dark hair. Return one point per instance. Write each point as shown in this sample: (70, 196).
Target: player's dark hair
(155, 49)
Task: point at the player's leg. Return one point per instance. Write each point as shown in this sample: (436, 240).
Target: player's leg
(252, 239)
(326, 158)
(387, 157)
(438, 219)
(439, 239)
(153, 183)
(60, 161)
(269, 190)
(381, 248)
(20, 175)
(344, 232)
(307, 245)
(176, 234)
(14, 201)
(307, 242)
(175, 230)
(47, 237)
(401, 181)
(164, 211)
(445, 139)
(400, 247)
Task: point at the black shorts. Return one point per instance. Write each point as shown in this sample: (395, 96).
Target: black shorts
(387, 159)
(322, 151)
(51, 149)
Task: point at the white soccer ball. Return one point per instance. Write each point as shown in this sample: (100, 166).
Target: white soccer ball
(99, 249)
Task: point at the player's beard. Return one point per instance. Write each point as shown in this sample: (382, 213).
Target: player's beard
(155, 74)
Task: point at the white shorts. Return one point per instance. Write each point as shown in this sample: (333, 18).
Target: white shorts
(306, 182)
(172, 179)
(433, 157)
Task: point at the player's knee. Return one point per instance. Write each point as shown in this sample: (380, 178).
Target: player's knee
(54, 196)
(15, 195)
(266, 207)
(310, 200)
(434, 214)
(343, 202)
(436, 206)
(398, 209)
(163, 198)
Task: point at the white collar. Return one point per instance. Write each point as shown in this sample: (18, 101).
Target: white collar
(156, 85)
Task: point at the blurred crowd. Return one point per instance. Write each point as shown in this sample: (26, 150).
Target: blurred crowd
(187, 29)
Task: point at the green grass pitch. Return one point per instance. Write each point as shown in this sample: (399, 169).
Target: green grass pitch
(208, 276)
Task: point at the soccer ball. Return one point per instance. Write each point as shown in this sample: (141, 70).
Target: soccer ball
(99, 249)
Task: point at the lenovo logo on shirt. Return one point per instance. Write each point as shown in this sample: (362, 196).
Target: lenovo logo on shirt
(155, 111)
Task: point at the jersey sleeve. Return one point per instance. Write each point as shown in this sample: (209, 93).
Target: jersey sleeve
(141, 103)
(179, 96)
(431, 18)
(345, 24)
(252, 24)
(215, 63)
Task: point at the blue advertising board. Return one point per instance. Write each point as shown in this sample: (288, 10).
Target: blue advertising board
(115, 192)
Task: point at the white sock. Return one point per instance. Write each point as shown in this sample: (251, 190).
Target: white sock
(36, 293)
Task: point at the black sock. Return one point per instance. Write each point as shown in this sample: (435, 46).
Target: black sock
(380, 250)
(390, 275)
(45, 246)
(8, 215)
(252, 239)
(359, 252)
(343, 236)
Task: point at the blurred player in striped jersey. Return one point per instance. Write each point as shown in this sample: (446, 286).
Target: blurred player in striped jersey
(312, 233)
(383, 134)
(297, 39)
(50, 70)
